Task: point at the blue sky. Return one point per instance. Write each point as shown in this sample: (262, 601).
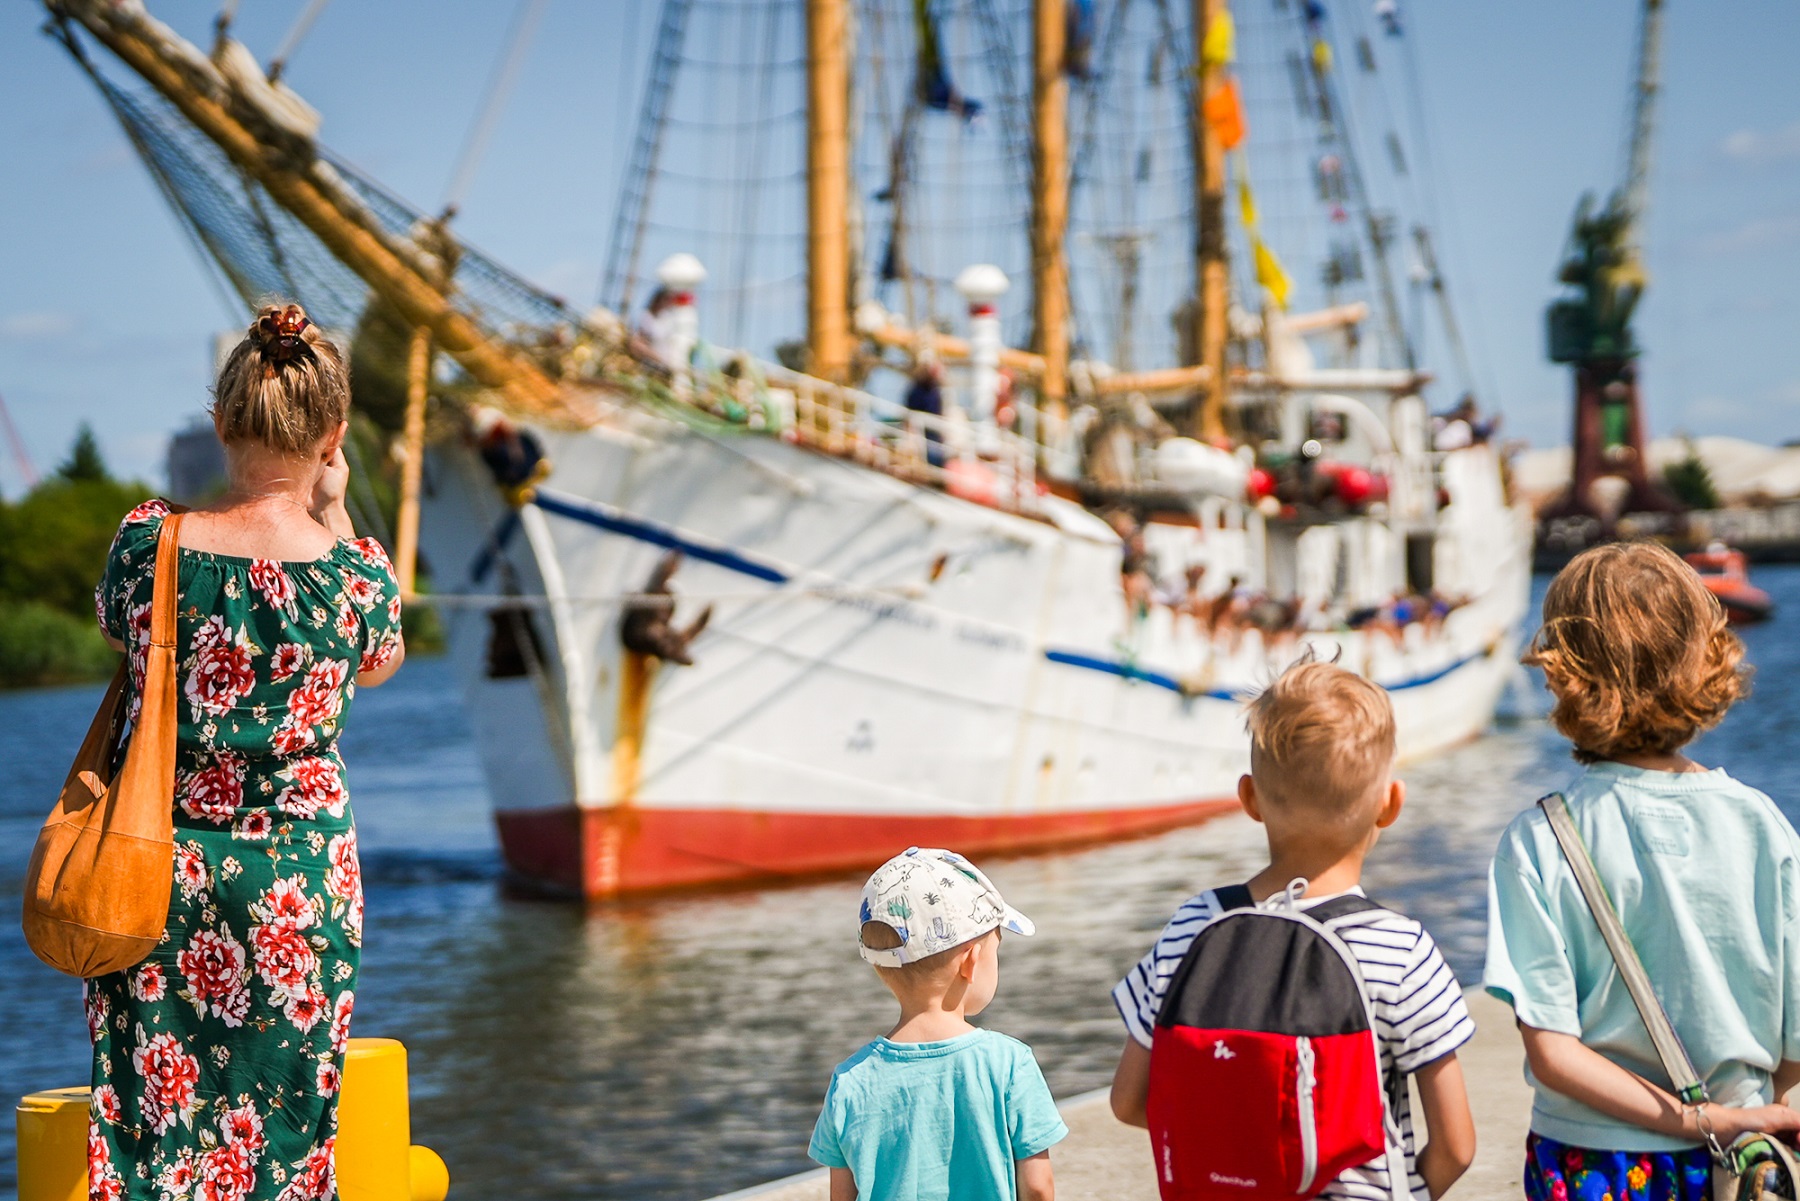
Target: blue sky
(107, 316)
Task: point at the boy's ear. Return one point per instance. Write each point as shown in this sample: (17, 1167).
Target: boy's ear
(970, 958)
(1248, 799)
(1391, 804)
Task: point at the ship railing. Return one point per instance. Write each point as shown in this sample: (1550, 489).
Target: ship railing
(981, 463)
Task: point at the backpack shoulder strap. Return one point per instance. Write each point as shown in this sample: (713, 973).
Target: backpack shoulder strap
(1339, 908)
(1234, 896)
(1229, 898)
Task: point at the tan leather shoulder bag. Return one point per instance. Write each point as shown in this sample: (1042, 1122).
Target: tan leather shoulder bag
(97, 890)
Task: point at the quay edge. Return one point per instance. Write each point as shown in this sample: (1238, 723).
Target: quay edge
(1102, 1160)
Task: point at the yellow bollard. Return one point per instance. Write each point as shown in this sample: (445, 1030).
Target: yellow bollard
(375, 1158)
(430, 1175)
(52, 1132)
(374, 1125)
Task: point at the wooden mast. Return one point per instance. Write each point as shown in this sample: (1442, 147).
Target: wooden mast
(828, 338)
(412, 439)
(1050, 201)
(1210, 276)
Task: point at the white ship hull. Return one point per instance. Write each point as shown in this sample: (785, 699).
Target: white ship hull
(887, 664)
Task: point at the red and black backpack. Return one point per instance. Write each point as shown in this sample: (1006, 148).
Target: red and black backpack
(1265, 1072)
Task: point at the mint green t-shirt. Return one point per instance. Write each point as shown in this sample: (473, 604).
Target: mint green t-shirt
(1705, 874)
(936, 1121)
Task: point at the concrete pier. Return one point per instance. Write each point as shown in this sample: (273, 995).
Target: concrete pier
(1102, 1160)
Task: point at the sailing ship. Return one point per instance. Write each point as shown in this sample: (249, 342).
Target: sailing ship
(724, 618)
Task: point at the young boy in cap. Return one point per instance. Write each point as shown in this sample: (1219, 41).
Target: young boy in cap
(937, 1108)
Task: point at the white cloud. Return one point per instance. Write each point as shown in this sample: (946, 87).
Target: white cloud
(1756, 146)
(1760, 233)
(36, 327)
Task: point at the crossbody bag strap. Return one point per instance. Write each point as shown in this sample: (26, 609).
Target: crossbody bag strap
(1675, 1061)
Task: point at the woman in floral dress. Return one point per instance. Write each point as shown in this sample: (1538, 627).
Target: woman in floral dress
(217, 1059)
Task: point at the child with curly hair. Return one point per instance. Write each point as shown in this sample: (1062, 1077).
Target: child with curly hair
(1705, 874)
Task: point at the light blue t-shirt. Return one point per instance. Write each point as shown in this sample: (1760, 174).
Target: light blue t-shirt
(935, 1121)
(1705, 874)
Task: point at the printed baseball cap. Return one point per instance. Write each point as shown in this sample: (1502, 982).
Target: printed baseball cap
(934, 900)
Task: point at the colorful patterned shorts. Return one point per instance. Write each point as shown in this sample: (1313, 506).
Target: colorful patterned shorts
(1557, 1172)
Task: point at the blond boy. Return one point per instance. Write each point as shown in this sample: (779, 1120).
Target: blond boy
(937, 1109)
(1321, 783)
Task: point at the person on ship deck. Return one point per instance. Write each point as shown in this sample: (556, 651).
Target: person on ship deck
(926, 396)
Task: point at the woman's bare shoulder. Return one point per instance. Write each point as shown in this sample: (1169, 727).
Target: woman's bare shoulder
(290, 535)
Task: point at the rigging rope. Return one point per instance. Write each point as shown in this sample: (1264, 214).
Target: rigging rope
(751, 202)
(1444, 219)
(640, 176)
(295, 35)
(1336, 117)
(506, 73)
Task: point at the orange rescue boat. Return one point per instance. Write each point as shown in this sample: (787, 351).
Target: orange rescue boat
(1726, 573)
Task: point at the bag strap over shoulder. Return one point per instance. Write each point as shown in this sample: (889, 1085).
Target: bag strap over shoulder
(1342, 907)
(1675, 1061)
(166, 583)
(1234, 896)
(1239, 896)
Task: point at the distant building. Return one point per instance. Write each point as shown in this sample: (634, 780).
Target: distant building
(196, 463)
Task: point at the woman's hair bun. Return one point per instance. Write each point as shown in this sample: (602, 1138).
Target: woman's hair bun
(284, 385)
(280, 332)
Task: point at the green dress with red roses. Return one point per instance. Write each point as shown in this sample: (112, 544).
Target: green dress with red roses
(217, 1059)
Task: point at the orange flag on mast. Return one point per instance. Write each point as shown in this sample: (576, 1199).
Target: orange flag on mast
(1224, 112)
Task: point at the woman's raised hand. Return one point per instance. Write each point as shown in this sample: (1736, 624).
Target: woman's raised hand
(328, 496)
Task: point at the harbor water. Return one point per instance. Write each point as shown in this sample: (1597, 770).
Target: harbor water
(678, 1048)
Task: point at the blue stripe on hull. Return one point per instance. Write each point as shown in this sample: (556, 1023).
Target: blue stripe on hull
(1130, 671)
(614, 522)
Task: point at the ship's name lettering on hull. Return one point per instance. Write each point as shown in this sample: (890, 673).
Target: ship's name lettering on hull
(991, 638)
(884, 609)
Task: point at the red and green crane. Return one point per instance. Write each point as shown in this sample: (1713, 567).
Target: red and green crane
(1590, 325)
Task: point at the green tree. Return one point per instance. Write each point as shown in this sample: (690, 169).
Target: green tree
(84, 462)
(1691, 482)
(40, 645)
(53, 541)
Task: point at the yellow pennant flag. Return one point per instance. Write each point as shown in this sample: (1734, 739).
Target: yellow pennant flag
(1269, 273)
(1219, 46)
(1321, 56)
(1246, 201)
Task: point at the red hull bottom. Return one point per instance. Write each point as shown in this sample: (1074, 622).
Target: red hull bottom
(607, 852)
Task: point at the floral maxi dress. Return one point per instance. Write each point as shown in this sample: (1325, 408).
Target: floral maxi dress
(217, 1059)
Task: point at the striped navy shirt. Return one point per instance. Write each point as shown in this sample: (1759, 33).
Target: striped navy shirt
(1420, 1016)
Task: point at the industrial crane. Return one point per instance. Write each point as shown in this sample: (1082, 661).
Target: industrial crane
(1590, 324)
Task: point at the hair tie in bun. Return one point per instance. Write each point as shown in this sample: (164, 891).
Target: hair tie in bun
(280, 333)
